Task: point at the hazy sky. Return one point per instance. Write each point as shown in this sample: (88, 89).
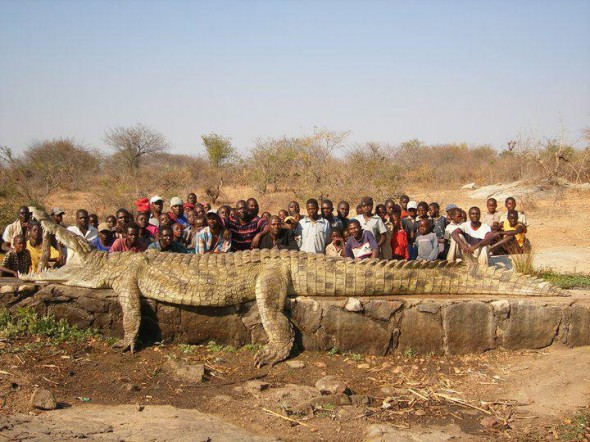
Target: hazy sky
(440, 71)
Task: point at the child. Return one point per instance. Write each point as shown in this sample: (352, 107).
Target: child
(439, 224)
(362, 243)
(456, 221)
(18, 260)
(410, 225)
(336, 247)
(492, 218)
(513, 235)
(399, 238)
(177, 230)
(35, 246)
(426, 242)
(510, 204)
(111, 220)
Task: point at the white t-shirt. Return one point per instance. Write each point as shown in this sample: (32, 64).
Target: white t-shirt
(374, 224)
(472, 235)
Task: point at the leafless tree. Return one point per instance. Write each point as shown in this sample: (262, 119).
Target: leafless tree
(133, 143)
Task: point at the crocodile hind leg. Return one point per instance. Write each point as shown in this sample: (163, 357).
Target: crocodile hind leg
(271, 292)
(129, 298)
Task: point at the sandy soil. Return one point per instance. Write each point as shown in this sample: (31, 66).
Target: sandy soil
(105, 395)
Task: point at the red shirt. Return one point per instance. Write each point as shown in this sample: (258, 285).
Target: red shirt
(399, 244)
(120, 245)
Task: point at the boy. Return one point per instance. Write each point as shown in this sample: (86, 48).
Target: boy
(315, 231)
(510, 204)
(104, 240)
(178, 230)
(399, 238)
(361, 244)
(513, 235)
(439, 224)
(17, 260)
(371, 222)
(336, 247)
(410, 225)
(456, 221)
(426, 242)
(35, 246)
(492, 218)
(385, 249)
(130, 243)
(111, 221)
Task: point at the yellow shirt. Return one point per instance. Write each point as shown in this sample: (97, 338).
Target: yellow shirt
(36, 253)
(520, 237)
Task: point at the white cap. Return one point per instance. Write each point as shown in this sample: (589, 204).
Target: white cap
(412, 205)
(156, 198)
(176, 201)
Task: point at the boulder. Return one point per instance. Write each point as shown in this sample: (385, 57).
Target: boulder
(306, 314)
(382, 309)
(193, 374)
(353, 305)
(531, 325)
(43, 399)
(579, 331)
(469, 327)
(330, 385)
(421, 332)
(355, 333)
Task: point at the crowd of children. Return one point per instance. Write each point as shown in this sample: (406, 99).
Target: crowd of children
(405, 230)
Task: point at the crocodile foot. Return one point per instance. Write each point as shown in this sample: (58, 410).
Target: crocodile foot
(272, 353)
(125, 344)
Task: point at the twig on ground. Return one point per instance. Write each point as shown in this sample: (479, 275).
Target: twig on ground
(298, 422)
(50, 381)
(462, 402)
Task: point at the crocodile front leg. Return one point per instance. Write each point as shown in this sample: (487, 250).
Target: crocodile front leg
(129, 298)
(271, 292)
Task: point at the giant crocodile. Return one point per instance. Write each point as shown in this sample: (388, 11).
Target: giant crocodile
(268, 276)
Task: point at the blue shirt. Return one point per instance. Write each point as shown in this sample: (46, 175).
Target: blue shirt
(96, 243)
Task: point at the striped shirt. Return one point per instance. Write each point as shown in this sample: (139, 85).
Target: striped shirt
(242, 235)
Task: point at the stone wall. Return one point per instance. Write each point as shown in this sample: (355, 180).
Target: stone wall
(444, 325)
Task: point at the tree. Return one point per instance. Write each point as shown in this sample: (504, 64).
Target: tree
(133, 143)
(219, 149)
(47, 165)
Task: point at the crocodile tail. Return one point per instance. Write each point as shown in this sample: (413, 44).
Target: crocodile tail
(69, 239)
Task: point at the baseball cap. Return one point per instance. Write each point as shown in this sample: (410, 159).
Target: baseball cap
(412, 205)
(176, 201)
(143, 205)
(103, 226)
(156, 198)
(450, 207)
(289, 219)
(56, 211)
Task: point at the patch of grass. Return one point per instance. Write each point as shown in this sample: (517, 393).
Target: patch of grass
(214, 347)
(575, 428)
(523, 263)
(25, 322)
(409, 353)
(252, 347)
(566, 280)
(187, 349)
(355, 356)
(333, 351)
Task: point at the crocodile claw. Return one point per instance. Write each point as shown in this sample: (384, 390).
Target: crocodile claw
(272, 354)
(124, 345)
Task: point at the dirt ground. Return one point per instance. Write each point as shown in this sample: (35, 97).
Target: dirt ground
(105, 395)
